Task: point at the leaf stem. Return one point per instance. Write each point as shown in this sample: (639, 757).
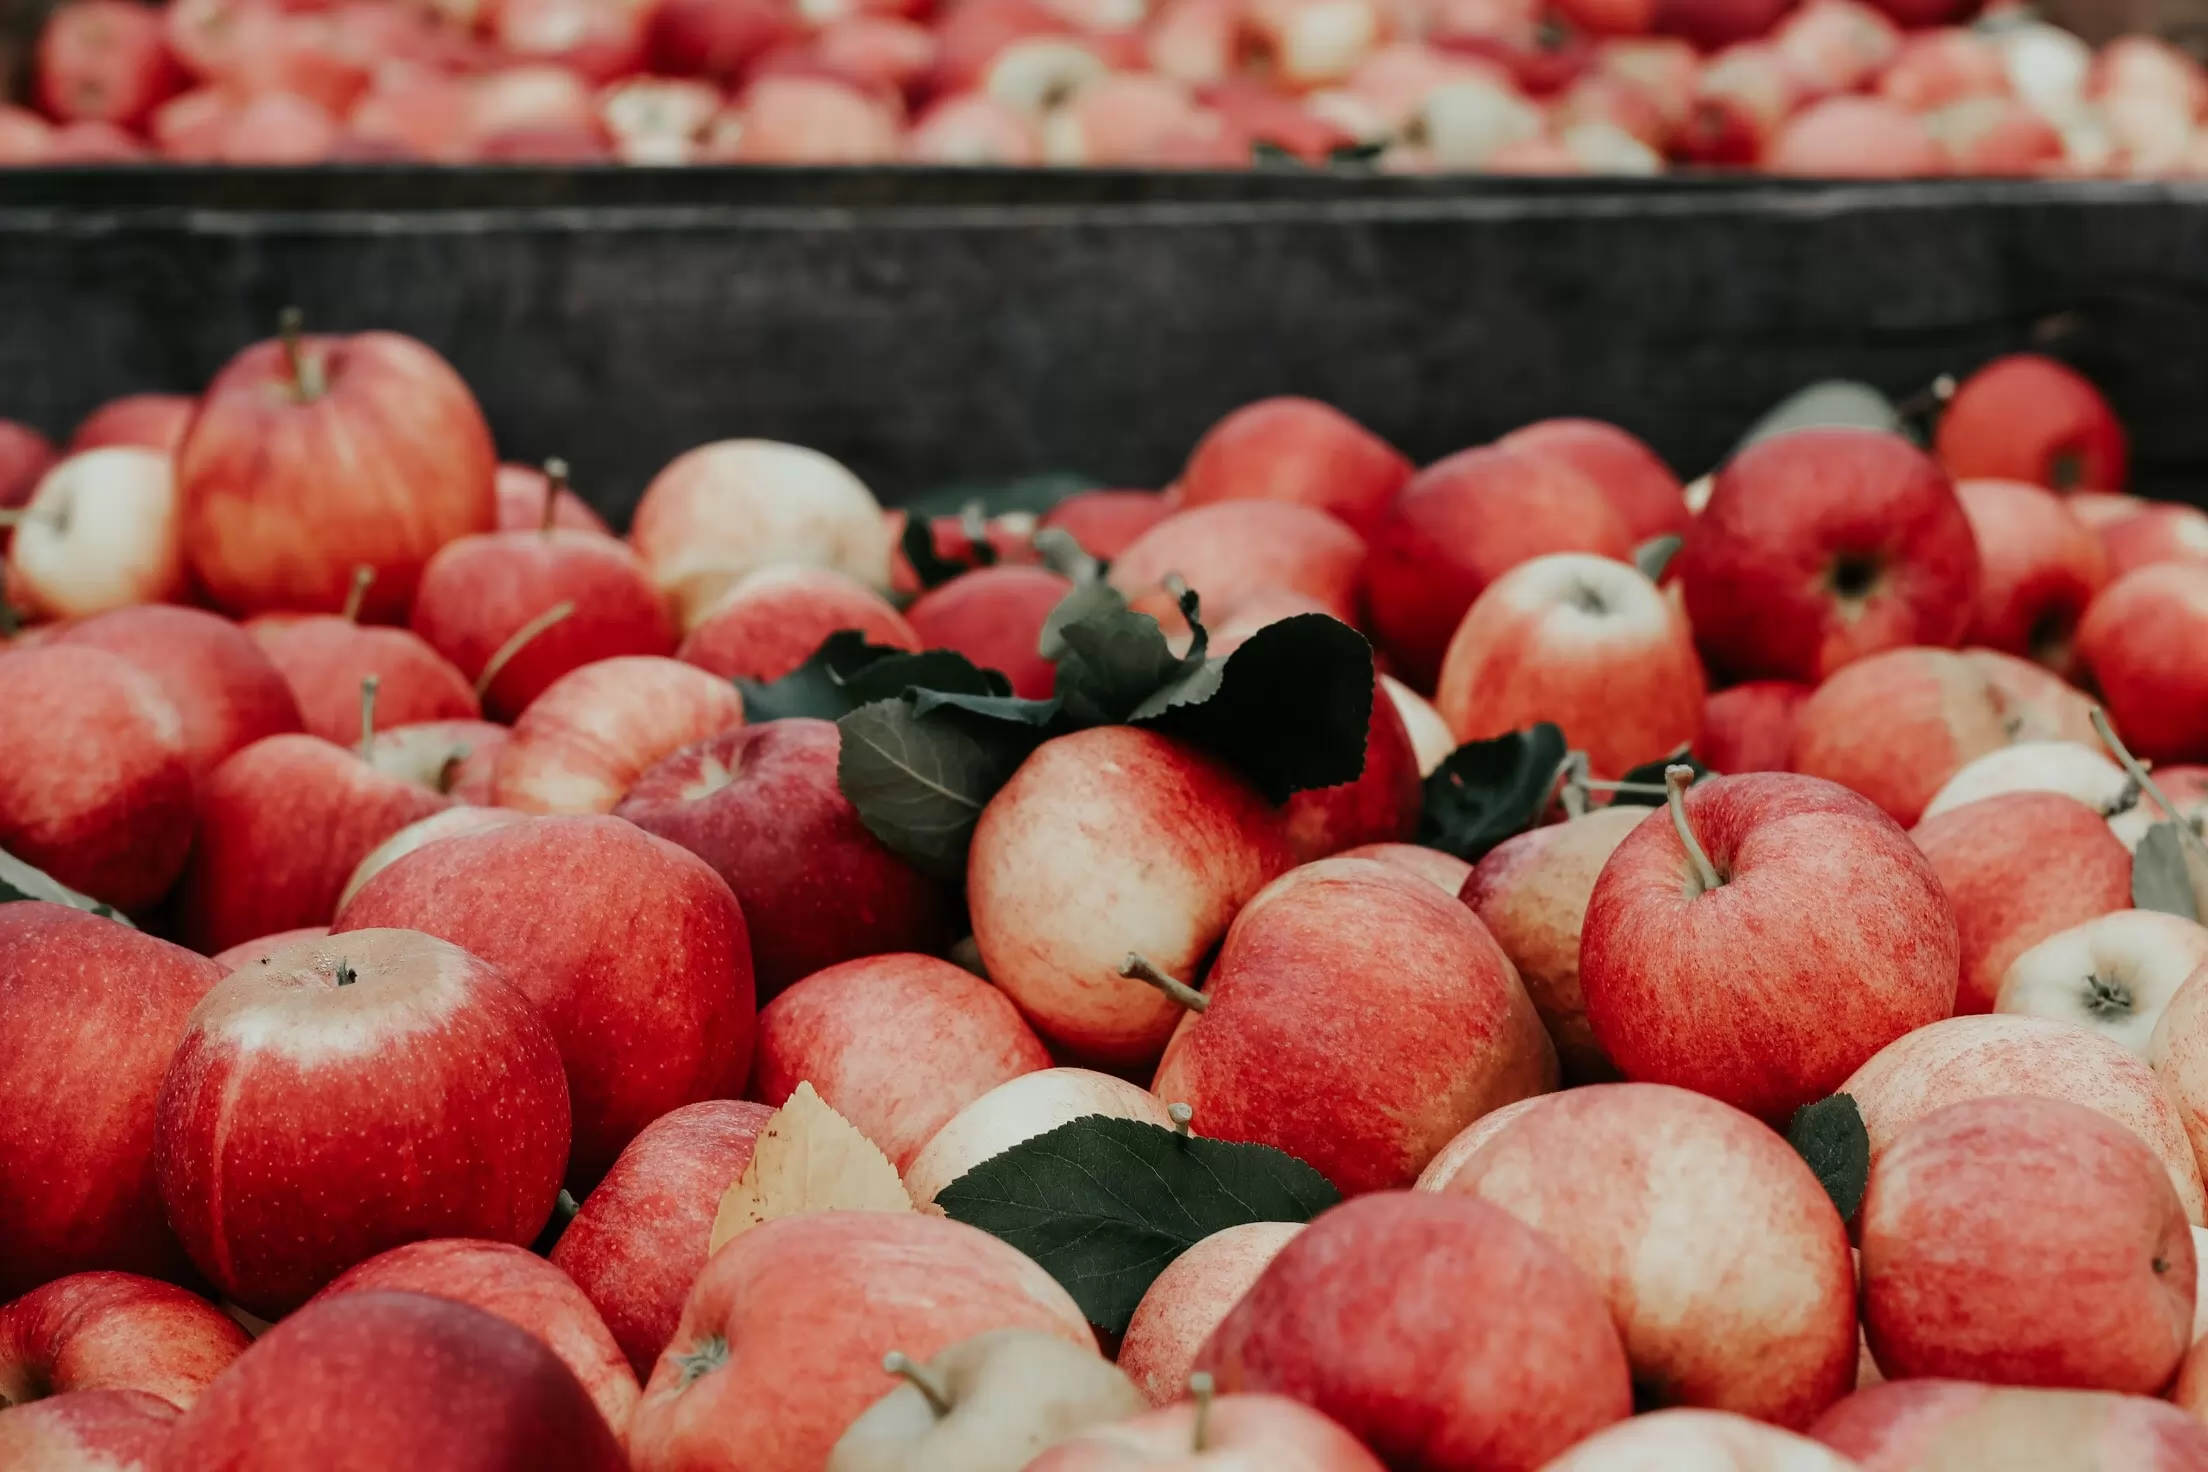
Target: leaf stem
(364, 577)
(1677, 776)
(898, 1363)
(1137, 967)
(368, 686)
(522, 638)
(1202, 1387)
(2137, 771)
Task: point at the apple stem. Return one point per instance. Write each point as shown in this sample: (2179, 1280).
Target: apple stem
(496, 664)
(345, 974)
(1137, 967)
(1677, 777)
(364, 578)
(2137, 771)
(555, 481)
(974, 527)
(1181, 1115)
(290, 324)
(368, 686)
(1575, 782)
(1202, 1387)
(898, 1363)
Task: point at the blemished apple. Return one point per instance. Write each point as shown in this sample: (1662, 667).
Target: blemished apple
(99, 533)
(2138, 642)
(1226, 1433)
(1431, 739)
(226, 692)
(378, 1055)
(2028, 418)
(324, 658)
(1442, 1034)
(454, 758)
(732, 507)
(991, 1403)
(1750, 728)
(633, 950)
(1695, 1438)
(1297, 450)
(87, 1431)
(1030, 1105)
(2018, 868)
(1637, 482)
(1957, 1426)
(1711, 940)
(313, 456)
(994, 616)
(395, 1380)
(1188, 1300)
(585, 741)
(1582, 641)
(113, 1331)
(449, 823)
(811, 1304)
(1978, 1057)
(97, 787)
(640, 1238)
(2077, 771)
(2039, 566)
(1472, 1139)
(1463, 522)
(771, 621)
(2113, 974)
(1105, 842)
(761, 804)
(2026, 1241)
(2178, 1052)
(523, 491)
(151, 421)
(1445, 872)
(1820, 546)
(1229, 550)
(519, 1287)
(1106, 523)
(1438, 1330)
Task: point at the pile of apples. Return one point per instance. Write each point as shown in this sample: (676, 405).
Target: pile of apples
(1822, 87)
(443, 1031)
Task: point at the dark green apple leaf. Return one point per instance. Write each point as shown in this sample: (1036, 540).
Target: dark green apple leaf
(1829, 1134)
(1291, 708)
(1106, 1204)
(817, 687)
(931, 669)
(1487, 791)
(1835, 402)
(1655, 554)
(919, 785)
(1040, 714)
(19, 881)
(1111, 660)
(2160, 877)
(1351, 155)
(1266, 154)
(1034, 494)
(1090, 600)
(1651, 775)
(931, 567)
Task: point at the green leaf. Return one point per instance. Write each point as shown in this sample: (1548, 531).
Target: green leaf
(1113, 661)
(931, 567)
(1291, 708)
(1840, 402)
(1487, 791)
(1036, 713)
(1034, 494)
(1266, 154)
(941, 670)
(19, 881)
(919, 784)
(816, 687)
(1829, 1134)
(2160, 878)
(1651, 774)
(1655, 554)
(1349, 155)
(1106, 1204)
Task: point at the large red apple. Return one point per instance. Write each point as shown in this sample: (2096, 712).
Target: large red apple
(98, 533)
(2141, 642)
(113, 1331)
(1299, 450)
(762, 806)
(2029, 418)
(325, 657)
(1188, 1300)
(312, 456)
(1439, 1331)
(97, 785)
(585, 741)
(640, 1239)
(1225, 1434)
(1820, 546)
(226, 692)
(395, 1380)
(2039, 566)
(87, 1431)
(1750, 728)
(994, 616)
(1229, 550)
(1713, 940)
(1442, 1032)
(1956, 1426)
(782, 1339)
(771, 622)
(1638, 483)
(631, 947)
(380, 1056)
(153, 421)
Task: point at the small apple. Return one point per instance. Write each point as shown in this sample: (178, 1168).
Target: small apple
(2113, 974)
(1639, 484)
(324, 658)
(1750, 728)
(1107, 523)
(994, 616)
(2028, 418)
(1297, 450)
(771, 621)
(113, 1331)
(99, 533)
(2039, 566)
(2155, 534)
(454, 759)
(527, 496)
(1021, 1109)
(2137, 641)
(87, 1431)
(152, 421)
(1956, 1426)
(1228, 550)
(585, 741)
(1185, 1303)
(1855, 138)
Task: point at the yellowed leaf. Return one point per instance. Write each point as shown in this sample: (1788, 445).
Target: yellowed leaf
(809, 1158)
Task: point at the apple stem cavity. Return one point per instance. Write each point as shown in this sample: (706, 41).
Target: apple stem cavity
(1677, 777)
(555, 481)
(1202, 1387)
(711, 1353)
(369, 684)
(306, 379)
(522, 637)
(364, 578)
(900, 1364)
(2138, 773)
(1137, 967)
(1181, 1115)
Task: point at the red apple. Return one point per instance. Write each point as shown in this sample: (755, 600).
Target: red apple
(1750, 728)
(226, 692)
(714, 38)
(2029, 418)
(640, 1239)
(2156, 534)
(1836, 45)
(1380, 806)
(781, 1341)
(1713, 935)
(113, 1331)
(87, 1431)
(1105, 842)
(761, 805)
(98, 533)
(1440, 1332)
(104, 61)
(1820, 546)
(519, 1287)
(1445, 872)
(2039, 568)
(1584, 642)
(585, 741)
(395, 1380)
(1855, 137)
(324, 658)
(793, 118)
(959, 1037)
(1188, 1300)
(596, 39)
(1638, 484)
(1442, 1033)
(524, 490)
(2019, 868)
(454, 758)
(383, 1056)
(631, 947)
(97, 786)
(25, 457)
(1299, 450)
(2021, 1241)
(1229, 550)
(994, 616)
(1225, 1434)
(261, 948)
(2140, 641)
(154, 421)
(1955, 1426)
(450, 823)
(1107, 523)
(1743, 95)
(312, 456)
(1027, 1106)
(771, 622)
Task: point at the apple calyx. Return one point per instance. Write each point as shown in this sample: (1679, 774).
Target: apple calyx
(2137, 771)
(345, 975)
(555, 481)
(900, 1364)
(521, 639)
(1201, 1387)
(369, 684)
(306, 375)
(364, 578)
(1677, 776)
(711, 1353)
(1137, 967)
